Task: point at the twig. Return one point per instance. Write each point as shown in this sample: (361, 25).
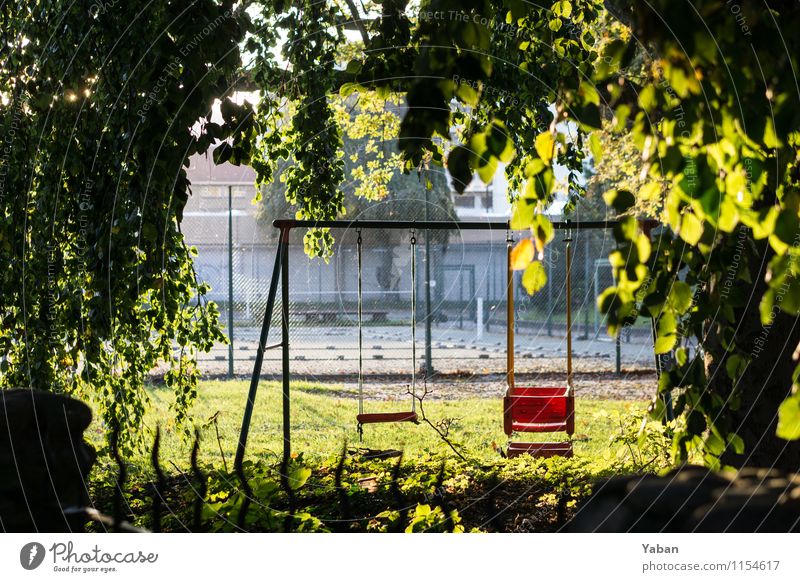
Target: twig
(215, 421)
(442, 428)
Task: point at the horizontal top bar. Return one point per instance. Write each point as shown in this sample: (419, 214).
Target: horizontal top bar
(287, 224)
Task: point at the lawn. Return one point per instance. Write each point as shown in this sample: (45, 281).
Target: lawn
(323, 419)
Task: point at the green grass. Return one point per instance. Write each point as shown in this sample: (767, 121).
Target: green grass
(485, 492)
(323, 419)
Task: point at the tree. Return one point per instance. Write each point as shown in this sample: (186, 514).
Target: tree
(372, 168)
(97, 109)
(706, 95)
(718, 140)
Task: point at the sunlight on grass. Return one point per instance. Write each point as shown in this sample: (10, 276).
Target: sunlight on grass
(323, 419)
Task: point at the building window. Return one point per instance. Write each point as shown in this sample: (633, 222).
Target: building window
(474, 200)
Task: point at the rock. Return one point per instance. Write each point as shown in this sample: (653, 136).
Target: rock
(44, 460)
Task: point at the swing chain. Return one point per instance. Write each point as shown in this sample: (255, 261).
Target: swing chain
(360, 331)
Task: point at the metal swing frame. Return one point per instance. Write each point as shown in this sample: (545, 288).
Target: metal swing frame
(280, 274)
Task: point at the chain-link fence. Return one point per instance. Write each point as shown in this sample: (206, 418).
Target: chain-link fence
(461, 306)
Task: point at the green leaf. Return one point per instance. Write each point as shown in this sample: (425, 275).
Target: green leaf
(541, 185)
(595, 147)
(620, 200)
(691, 228)
(348, 89)
(786, 231)
(534, 166)
(522, 213)
(680, 297)
(298, 475)
(657, 409)
(222, 153)
(736, 443)
(734, 364)
(497, 138)
(534, 278)
(458, 164)
(765, 307)
(696, 422)
(542, 230)
(714, 444)
(789, 418)
(562, 8)
(544, 147)
(466, 93)
(770, 137)
(589, 117)
(647, 98)
(487, 170)
(666, 333)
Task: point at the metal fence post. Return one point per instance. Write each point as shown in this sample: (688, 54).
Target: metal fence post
(287, 429)
(230, 281)
(479, 319)
(587, 296)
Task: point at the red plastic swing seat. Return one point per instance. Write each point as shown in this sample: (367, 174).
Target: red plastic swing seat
(378, 417)
(560, 449)
(539, 409)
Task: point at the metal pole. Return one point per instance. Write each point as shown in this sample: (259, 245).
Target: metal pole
(619, 354)
(569, 311)
(287, 442)
(439, 224)
(596, 293)
(262, 343)
(509, 317)
(489, 289)
(587, 299)
(428, 350)
(460, 301)
(230, 281)
(479, 319)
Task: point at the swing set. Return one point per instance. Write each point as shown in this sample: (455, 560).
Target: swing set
(526, 409)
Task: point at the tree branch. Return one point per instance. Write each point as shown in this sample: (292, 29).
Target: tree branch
(442, 427)
(358, 21)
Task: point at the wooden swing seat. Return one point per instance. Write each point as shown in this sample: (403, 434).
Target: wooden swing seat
(379, 417)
